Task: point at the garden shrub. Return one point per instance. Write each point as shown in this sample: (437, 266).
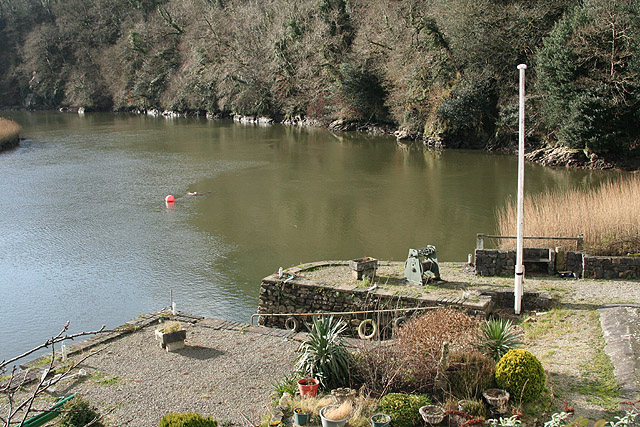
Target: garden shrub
(424, 343)
(521, 374)
(380, 369)
(403, 408)
(322, 355)
(187, 419)
(468, 374)
(498, 337)
(78, 413)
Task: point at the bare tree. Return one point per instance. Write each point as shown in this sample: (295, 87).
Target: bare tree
(19, 408)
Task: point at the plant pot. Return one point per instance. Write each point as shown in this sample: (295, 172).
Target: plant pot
(342, 394)
(308, 387)
(380, 420)
(497, 398)
(432, 414)
(171, 341)
(301, 418)
(331, 423)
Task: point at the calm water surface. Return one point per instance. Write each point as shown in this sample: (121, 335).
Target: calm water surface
(86, 235)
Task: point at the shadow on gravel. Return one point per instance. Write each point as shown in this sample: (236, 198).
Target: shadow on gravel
(199, 352)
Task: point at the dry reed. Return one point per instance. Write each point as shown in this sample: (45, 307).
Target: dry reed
(9, 130)
(608, 216)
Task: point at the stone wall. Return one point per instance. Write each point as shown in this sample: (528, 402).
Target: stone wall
(574, 263)
(603, 267)
(496, 262)
(282, 298)
(298, 296)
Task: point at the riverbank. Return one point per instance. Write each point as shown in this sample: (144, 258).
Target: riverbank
(552, 156)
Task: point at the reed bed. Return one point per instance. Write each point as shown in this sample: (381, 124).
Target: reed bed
(608, 216)
(9, 130)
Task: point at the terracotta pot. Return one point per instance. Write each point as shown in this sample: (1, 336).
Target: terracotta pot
(308, 387)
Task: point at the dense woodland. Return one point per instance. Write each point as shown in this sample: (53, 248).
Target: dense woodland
(442, 70)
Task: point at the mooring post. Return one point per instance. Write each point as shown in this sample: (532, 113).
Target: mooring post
(518, 291)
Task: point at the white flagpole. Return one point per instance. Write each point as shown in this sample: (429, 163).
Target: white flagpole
(518, 288)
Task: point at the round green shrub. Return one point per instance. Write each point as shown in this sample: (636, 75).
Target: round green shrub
(403, 408)
(521, 374)
(187, 419)
(78, 413)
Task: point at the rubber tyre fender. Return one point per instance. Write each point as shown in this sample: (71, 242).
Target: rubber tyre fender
(398, 322)
(363, 326)
(291, 324)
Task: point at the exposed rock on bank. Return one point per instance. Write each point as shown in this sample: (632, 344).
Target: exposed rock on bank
(563, 156)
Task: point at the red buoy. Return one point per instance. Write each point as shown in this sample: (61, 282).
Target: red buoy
(169, 199)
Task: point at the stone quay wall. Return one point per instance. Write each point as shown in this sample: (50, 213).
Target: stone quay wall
(603, 267)
(497, 262)
(298, 296)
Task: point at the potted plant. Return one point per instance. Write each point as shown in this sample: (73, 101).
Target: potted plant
(432, 414)
(308, 387)
(474, 408)
(380, 420)
(343, 393)
(301, 417)
(497, 398)
(171, 336)
(334, 415)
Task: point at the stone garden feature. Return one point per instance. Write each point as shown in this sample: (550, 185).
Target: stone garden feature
(364, 268)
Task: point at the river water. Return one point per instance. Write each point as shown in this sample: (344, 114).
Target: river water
(87, 237)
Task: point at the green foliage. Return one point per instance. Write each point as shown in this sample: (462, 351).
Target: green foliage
(323, 355)
(468, 374)
(588, 70)
(403, 408)
(498, 337)
(469, 114)
(474, 407)
(364, 93)
(285, 385)
(78, 413)
(187, 419)
(521, 374)
(505, 422)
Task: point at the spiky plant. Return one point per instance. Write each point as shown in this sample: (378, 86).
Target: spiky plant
(498, 337)
(323, 355)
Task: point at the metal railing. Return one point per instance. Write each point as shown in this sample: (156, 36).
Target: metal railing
(342, 313)
(480, 239)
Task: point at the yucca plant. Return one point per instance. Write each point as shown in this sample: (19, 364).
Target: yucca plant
(498, 337)
(323, 355)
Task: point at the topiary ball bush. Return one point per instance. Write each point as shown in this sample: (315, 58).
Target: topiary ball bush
(187, 419)
(403, 408)
(521, 374)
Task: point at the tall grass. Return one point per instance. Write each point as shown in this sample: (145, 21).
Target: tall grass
(608, 216)
(9, 130)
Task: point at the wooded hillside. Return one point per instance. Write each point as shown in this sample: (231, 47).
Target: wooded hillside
(444, 70)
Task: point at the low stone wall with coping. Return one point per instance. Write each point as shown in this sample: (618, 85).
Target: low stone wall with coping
(603, 267)
(498, 262)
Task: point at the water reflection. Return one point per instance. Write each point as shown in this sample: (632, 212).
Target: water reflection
(87, 235)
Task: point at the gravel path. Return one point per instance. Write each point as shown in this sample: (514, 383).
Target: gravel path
(224, 373)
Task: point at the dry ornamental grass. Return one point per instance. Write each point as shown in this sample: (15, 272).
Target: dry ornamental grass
(608, 216)
(9, 130)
